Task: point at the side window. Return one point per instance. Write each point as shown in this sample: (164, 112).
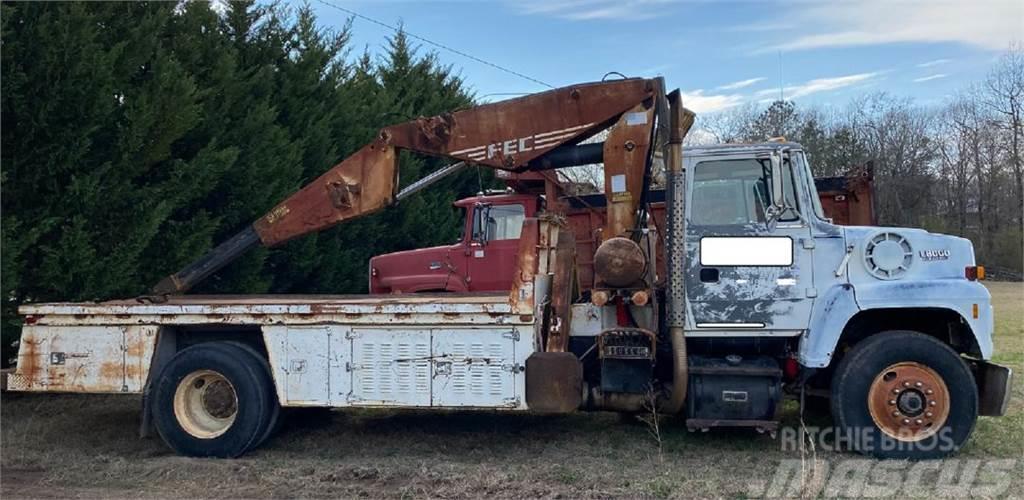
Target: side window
(498, 222)
(737, 192)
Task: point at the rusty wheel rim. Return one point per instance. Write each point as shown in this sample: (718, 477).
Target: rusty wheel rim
(205, 404)
(909, 401)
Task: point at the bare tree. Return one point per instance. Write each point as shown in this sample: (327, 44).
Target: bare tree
(1004, 94)
(956, 134)
(730, 125)
(896, 135)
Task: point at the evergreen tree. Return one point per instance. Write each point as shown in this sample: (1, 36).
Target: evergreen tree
(136, 136)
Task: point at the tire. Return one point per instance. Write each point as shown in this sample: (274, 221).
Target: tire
(905, 395)
(275, 419)
(212, 400)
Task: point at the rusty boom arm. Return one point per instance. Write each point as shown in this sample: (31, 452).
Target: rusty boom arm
(518, 134)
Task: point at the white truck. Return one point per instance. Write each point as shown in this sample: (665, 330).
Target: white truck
(763, 298)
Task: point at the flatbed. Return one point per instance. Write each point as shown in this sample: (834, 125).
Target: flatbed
(323, 350)
(271, 309)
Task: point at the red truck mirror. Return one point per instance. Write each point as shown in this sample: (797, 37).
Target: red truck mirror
(481, 222)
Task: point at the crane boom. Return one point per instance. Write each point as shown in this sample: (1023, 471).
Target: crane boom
(511, 135)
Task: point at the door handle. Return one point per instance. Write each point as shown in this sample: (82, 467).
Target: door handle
(709, 275)
(442, 368)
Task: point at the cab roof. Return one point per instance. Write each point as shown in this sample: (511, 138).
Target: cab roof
(757, 147)
(483, 198)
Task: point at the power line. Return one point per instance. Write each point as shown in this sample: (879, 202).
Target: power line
(436, 44)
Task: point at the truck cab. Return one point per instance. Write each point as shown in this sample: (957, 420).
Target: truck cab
(802, 275)
(482, 259)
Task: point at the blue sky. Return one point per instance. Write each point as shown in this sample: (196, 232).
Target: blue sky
(722, 54)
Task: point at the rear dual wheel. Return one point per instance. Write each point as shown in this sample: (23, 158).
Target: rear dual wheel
(215, 399)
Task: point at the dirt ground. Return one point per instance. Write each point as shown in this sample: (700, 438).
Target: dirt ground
(86, 446)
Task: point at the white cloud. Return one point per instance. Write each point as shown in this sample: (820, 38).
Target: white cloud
(936, 62)
(741, 84)
(760, 26)
(930, 77)
(989, 24)
(587, 10)
(698, 102)
(820, 85)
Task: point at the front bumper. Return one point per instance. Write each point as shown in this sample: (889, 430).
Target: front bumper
(994, 383)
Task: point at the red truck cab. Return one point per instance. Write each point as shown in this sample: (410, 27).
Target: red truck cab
(482, 259)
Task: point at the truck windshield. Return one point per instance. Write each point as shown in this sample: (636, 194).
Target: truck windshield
(728, 192)
(503, 222)
(815, 200)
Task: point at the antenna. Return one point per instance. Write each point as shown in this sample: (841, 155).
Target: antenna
(782, 97)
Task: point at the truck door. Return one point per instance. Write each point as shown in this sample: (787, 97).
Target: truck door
(744, 277)
(495, 242)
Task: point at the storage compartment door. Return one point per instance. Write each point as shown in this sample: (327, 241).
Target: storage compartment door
(309, 363)
(390, 367)
(475, 367)
(71, 359)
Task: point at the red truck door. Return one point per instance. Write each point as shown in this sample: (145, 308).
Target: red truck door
(494, 244)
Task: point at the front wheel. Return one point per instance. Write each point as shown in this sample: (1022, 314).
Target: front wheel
(213, 400)
(902, 394)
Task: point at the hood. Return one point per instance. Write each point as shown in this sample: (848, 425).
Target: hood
(410, 270)
(897, 253)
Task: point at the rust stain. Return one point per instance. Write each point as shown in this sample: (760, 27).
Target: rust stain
(562, 285)
(111, 371)
(526, 263)
(136, 349)
(55, 376)
(133, 372)
(625, 152)
(28, 359)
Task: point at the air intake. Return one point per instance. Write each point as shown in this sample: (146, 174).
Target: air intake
(888, 256)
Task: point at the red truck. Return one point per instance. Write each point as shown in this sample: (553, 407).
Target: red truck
(484, 260)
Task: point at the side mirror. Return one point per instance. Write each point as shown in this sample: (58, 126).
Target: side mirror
(481, 216)
(778, 204)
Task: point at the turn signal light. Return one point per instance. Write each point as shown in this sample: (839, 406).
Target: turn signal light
(974, 273)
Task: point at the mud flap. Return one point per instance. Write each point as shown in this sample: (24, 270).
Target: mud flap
(994, 383)
(554, 382)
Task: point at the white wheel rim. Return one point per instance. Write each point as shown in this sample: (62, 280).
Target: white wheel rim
(205, 404)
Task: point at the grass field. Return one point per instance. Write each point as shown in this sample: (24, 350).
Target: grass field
(86, 446)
